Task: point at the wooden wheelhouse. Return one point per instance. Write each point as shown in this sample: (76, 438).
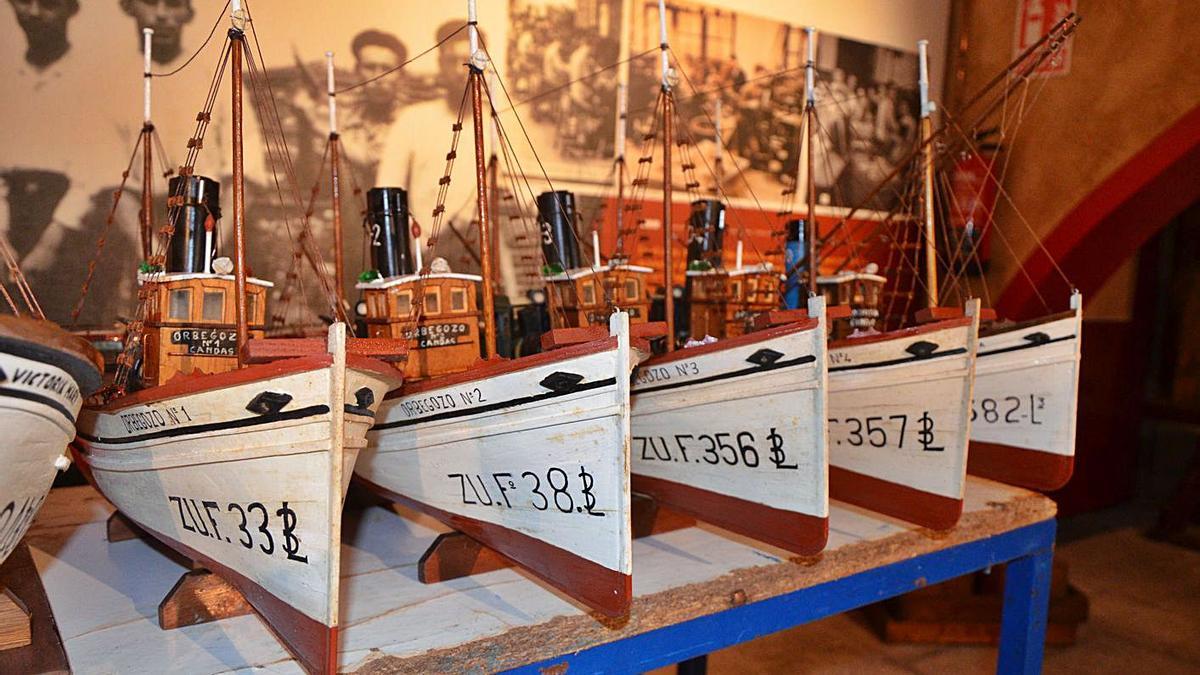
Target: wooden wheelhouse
(191, 323)
(587, 296)
(860, 292)
(723, 302)
(444, 337)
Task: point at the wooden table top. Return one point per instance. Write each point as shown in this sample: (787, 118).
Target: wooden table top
(105, 596)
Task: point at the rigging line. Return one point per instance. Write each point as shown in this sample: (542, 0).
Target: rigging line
(1020, 216)
(285, 294)
(134, 327)
(439, 212)
(640, 183)
(1026, 71)
(741, 174)
(1025, 104)
(100, 242)
(507, 146)
(532, 148)
(546, 92)
(335, 303)
(19, 279)
(384, 74)
(742, 229)
(220, 17)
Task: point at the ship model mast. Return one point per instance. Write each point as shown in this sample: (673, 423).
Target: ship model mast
(668, 115)
(335, 183)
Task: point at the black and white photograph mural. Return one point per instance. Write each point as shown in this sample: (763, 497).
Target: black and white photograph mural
(557, 54)
(866, 102)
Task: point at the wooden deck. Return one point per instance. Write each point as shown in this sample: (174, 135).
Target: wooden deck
(105, 596)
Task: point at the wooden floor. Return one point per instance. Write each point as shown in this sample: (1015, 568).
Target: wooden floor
(105, 595)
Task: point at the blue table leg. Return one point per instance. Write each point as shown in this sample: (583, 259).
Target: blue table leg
(697, 665)
(1026, 605)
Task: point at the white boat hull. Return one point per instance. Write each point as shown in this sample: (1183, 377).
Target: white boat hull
(246, 473)
(539, 473)
(899, 420)
(1025, 406)
(38, 406)
(734, 434)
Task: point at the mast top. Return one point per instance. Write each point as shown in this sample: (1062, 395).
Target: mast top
(237, 16)
(662, 44)
(927, 106)
(331, 92)
(810, 65)
(147, 38)
(622, 116)
(478, 59)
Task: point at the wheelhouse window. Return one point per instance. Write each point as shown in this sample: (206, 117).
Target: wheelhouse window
(403, 304)
(433, 301)
(631, 289)
(252, 308)
(736, 290)
(588, 291)
(180, 304)
(213, 308)
(458, 299)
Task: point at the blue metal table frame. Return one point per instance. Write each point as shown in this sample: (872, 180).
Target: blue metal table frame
(1028, 550)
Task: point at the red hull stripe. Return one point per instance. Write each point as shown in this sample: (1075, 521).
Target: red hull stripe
(1032, 469)
(796, 532)
(599, 587)
(922, 508)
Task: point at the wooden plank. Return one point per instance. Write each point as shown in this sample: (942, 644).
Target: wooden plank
(393, 623)
(29, 638)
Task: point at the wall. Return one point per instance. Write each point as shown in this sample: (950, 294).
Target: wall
(1132, 76)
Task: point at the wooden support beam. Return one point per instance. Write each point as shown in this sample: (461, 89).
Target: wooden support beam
(454, 555)
(200, 597)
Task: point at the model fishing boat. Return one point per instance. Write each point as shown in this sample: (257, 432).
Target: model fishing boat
(45, 372)
(529, 456)
(1023, 414)
(730, 430)
(233, 450)
(899, 401)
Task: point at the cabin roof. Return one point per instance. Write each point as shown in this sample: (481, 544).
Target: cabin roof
(843, 277)
(405, 278)
(735, 272)
(160, 277)
(580, 272)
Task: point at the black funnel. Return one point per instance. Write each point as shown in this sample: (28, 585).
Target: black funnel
(706, 231)
(387, 231)
(194, 220)
(556, 215)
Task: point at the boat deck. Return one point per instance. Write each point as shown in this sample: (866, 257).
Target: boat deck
(696, 590)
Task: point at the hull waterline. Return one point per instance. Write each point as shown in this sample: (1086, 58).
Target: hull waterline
(530, 457)
(246, 472)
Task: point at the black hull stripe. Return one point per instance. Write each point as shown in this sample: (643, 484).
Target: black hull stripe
(1030, 345)
(499, 405)
(725, 376)
(896, 362)
(245, 422)
(38, 398)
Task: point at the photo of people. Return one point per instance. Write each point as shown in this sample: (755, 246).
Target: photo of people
(866, 103)
(44, 23)
(557, 54)
(167, 18)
